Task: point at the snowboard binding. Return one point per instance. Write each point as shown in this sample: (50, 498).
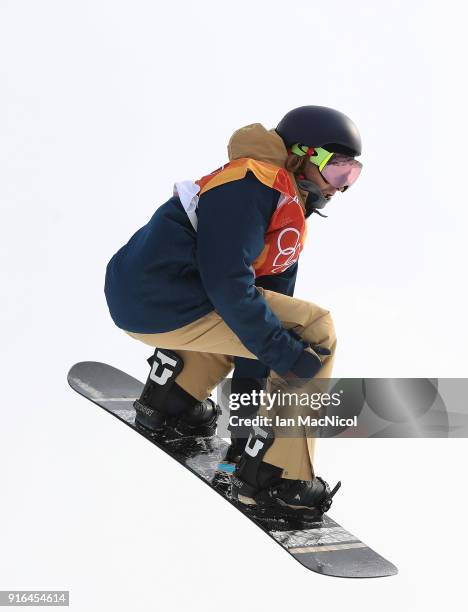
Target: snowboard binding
(257, 483)
(305, 501)
(163, 403)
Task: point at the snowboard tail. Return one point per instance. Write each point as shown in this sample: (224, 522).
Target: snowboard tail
(323, 547)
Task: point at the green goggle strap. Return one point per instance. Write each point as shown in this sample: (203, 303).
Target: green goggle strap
(320, 158)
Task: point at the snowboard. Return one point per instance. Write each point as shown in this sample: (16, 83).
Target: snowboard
(323, 547)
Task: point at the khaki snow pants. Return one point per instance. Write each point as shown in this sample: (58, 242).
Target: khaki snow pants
(207, 347)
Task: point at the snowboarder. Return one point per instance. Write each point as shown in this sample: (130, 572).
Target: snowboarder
(209, 283)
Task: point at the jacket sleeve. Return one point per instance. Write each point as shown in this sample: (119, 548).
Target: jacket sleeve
(232, 220)
(281, 283)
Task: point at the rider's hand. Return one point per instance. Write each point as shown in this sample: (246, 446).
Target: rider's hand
(308, 364)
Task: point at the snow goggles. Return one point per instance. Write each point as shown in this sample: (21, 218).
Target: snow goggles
(339, 170)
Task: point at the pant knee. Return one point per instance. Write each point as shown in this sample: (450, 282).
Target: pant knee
(321, 329)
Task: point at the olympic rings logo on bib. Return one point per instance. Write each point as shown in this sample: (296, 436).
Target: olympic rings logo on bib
(287, 255)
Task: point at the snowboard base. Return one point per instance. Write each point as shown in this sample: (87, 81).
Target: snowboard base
(323, 547)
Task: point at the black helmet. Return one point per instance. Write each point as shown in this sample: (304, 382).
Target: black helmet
(320, 126)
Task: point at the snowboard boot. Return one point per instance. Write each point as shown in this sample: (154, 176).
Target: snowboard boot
(257, 483)
(163, 403)
(285, 498)
(200, 419)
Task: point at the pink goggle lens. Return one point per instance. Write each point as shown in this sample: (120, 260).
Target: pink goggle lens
(342, 171)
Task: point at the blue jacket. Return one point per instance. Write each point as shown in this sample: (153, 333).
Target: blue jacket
(166, 276)
(169, 275)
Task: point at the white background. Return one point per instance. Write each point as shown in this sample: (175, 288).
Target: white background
(103, 106)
